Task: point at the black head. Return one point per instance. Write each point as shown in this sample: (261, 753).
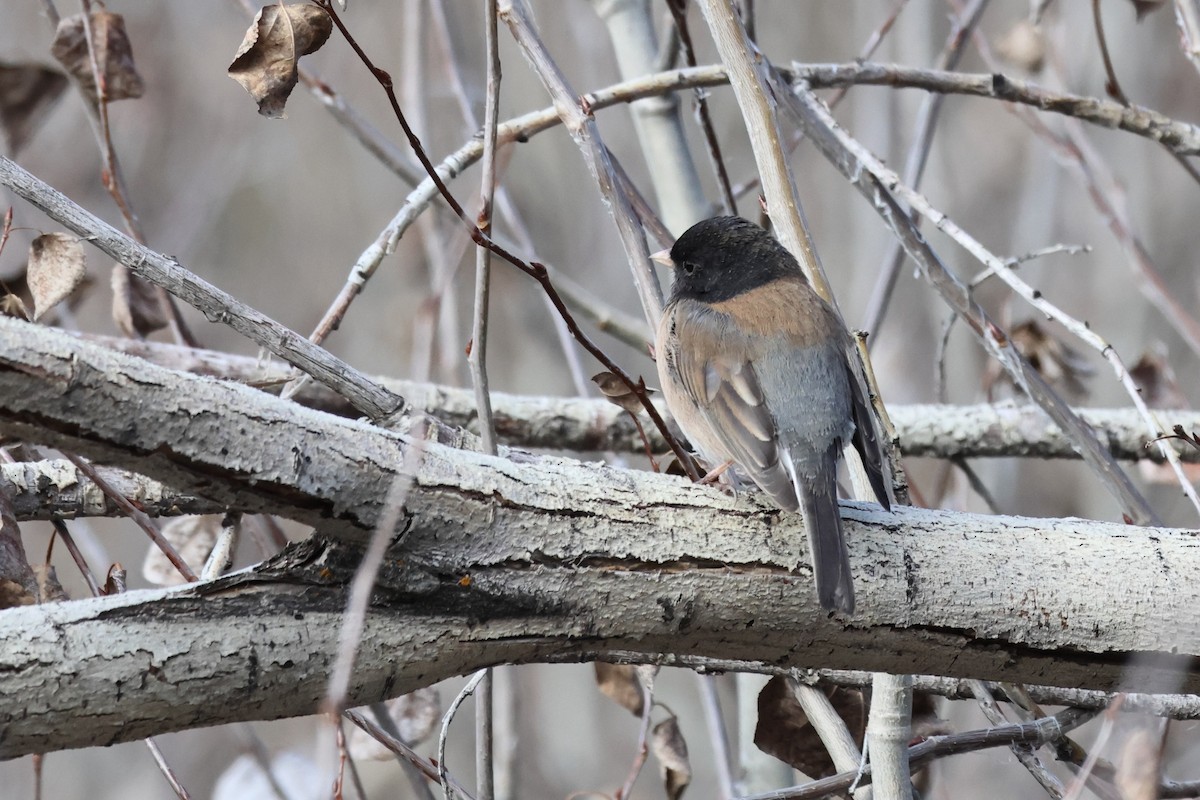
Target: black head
(719, 258)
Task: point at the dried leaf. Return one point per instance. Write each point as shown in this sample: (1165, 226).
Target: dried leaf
(1155, 379)
(11, 305)
(1139, 765)
(50, 590)
(193, 537)
(27, 94)
(621, 684)
(56, 268)
(416, 715)
(136, 307)
(668, 746)
(114, 581)
(783, 730)
(1059, 364)
(1023, 46)
(1144, 7)
(265, 64)
(13, 594)
(114, 55)
(617, 393)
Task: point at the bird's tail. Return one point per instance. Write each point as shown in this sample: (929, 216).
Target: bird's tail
(823, 523)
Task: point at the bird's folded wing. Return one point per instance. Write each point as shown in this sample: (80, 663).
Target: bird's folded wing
(716, 375)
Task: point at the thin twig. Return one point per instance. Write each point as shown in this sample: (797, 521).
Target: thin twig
(918, 157)
(678, 9)
(483, 257)
(1025, 755)
(881, 186)
(113, 178)
(138, 516)
(262, 756)
(534, 269)
(64, 533)
(219, 306)
(477, 359)
(221, 556)
(641, 750)
(710, 701)
(1112, 86)
(359, 595)
(418, 777)
(443, 774)
(402, 750)
(166, 770)
(1036, 733)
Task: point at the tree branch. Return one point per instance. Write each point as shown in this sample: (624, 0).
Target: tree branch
(526, 559)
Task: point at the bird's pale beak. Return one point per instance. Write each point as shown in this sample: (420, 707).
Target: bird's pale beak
(663, 257)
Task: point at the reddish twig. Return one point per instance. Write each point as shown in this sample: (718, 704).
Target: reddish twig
(534, 269)
(114, 181)
(678, 10)
(136, 514)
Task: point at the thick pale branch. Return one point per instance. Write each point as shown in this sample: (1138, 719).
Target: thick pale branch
(527, 559)
(571, 423)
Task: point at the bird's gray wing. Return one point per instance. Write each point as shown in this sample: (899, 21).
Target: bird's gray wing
(717, 376)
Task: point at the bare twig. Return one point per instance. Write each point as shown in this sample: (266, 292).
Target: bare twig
(217, 305)
(534, 269)
(112, 175)
(918, 157)
(221, 557)
(1036, 733)
(745, 65)
(706, 685)
(402, 750)
(359, 596)
(138, 516)
(443, 776)
(678, 9)
(483, 256)
(657, 121)
(166, 770)
(578, 120)
(877, 184)
(485, 775)
(889, 730)
(1025, 755)
(1112, 86)
(645, 680)
(829, 727)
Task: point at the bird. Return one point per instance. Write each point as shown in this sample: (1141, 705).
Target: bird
(758, 370)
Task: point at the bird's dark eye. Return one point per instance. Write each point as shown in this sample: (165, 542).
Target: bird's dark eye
(688, 267)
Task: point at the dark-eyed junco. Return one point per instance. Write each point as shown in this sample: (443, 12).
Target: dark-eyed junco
(759, 370)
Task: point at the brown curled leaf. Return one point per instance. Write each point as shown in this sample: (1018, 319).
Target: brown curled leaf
(784, 732)
(1144, 7)
(11, 305)
(27, 94)
(136, 307)
(266, 62)
(669, 747)
(113, 55)
(617, 393)
(620, 683)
